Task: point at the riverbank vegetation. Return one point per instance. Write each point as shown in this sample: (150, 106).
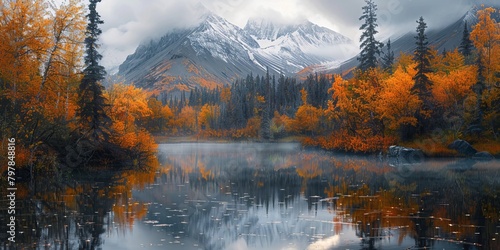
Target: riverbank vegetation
(52, 102)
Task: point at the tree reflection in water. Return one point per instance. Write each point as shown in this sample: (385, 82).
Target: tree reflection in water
(430, 202)
(213, 196)
(75, 214)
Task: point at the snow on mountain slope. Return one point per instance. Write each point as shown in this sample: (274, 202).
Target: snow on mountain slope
(291, 47)
(217, 52)
(222, 39)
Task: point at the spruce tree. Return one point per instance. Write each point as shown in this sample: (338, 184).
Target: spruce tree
(422, 57)
(444, 53)
(91, 102)
(265, 123)
(475, 127)
(388, 59)
(370, 47)
(466, 45)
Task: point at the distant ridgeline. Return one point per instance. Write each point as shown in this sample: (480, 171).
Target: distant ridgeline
(424, 99)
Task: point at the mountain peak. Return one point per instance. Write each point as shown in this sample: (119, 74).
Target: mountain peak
(272, 29)
(220, 51)
(212, 17)
(470, 16)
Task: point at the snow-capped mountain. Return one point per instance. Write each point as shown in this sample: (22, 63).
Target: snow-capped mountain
(217, 52)
(292, 47)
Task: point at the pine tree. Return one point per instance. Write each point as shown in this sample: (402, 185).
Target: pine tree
(444, 53)
(466, 45)
(370, 47)
(422, 85)
(475, 127)
(388, 59)
(93, 118)
(422, 58)
(265, 132)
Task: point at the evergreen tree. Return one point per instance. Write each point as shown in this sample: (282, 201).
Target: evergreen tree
(388, 59)
(475, 127)
(422, 57)
(444, 53)
(91, 102)
(265, 132)
(370, 47)
(466, 45)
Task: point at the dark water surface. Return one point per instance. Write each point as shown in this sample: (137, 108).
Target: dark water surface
(266, 196)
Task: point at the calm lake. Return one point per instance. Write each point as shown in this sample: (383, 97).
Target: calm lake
(266, 196)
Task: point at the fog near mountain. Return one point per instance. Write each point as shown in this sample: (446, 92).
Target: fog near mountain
(303, 36)
(128, 23)
(439, 38)
(218, 52)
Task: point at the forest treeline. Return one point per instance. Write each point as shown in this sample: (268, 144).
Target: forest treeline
(390, 99)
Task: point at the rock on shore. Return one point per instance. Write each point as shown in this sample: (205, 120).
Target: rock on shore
(463, 148)
(405, 155)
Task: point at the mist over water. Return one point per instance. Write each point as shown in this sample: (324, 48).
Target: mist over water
(279, 196)
(271, 196)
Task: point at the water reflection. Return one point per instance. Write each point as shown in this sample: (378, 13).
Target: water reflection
(245, 196)
(271, 196)
(54, 213)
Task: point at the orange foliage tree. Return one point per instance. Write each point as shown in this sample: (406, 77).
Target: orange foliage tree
(307, 118)
(486, 38)
(62, 60)
(40, 58)
(352, 110)
(24, 41)
(161, 117)
(397, 105)
(207, 118)
(278, 125)
(186, 121)
(128, 105)
(451, 89)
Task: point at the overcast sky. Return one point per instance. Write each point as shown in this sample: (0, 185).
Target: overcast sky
(127, 23)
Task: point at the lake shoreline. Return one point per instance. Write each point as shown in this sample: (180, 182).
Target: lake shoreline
(298, 139)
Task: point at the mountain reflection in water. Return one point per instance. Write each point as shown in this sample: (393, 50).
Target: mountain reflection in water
(269, 196)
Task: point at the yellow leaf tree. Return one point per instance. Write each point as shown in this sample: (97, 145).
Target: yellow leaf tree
(307, 118)
(161, 116)
(62, 61)
(397, 105)
(128, 105)
(23, 43)
(353, 112)
(486, 38)
(450, 91)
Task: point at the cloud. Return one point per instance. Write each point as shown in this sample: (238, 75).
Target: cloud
(394, 16)
(127, 23)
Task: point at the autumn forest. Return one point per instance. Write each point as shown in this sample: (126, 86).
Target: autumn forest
(91, 161)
